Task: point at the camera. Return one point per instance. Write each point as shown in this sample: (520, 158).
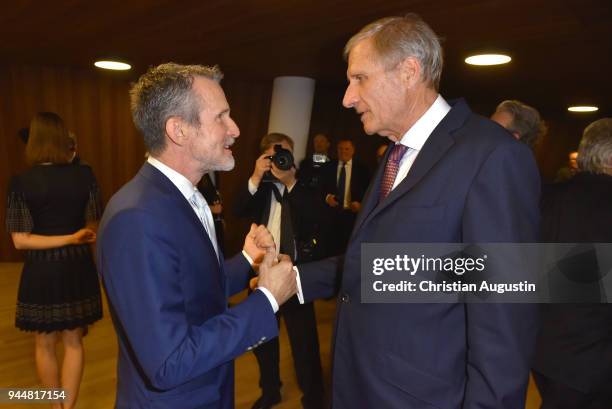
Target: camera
(319, 160)
(282, 158)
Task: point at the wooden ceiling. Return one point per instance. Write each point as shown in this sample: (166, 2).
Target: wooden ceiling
(561, 49)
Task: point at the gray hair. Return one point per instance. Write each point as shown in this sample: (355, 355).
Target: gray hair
(595, 150)
(396, 38)
(526, 121)
(165, 91)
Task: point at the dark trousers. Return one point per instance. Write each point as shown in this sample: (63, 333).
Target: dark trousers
(342, 223)
(302, 330)
(556, 395)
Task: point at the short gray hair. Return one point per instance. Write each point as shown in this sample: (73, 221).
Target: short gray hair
(595, 150)
(165, 91)
(526, 121)
(396, 38)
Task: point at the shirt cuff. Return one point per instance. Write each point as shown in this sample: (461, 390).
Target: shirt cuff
(270, 298)
(299, 293)
(252, 187)
(248, 258)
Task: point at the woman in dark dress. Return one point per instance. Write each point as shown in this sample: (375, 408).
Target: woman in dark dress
(52, 211)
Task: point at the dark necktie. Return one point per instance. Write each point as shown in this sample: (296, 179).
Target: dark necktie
(391, 169)
(287, 240)
(341, 185)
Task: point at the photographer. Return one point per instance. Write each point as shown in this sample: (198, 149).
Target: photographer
(291, 212)
(310, 168)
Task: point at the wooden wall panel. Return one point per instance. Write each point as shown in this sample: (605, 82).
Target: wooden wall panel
(250, 107)
(95, 106)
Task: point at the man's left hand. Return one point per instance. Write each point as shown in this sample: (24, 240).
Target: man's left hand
(257, 241)
(355, 207)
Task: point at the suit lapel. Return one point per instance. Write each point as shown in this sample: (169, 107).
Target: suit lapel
(160, 180)
(438, 143)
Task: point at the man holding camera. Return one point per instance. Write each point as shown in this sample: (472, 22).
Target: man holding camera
(291, 212)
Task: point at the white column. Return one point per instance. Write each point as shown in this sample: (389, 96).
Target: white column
(290, 110)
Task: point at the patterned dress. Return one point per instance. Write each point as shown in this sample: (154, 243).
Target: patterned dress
(59, 287)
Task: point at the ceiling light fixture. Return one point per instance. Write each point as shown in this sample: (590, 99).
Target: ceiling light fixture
(112, 65)
(488, 59)
(583, 108)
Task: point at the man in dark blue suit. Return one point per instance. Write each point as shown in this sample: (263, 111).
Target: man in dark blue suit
(450, 176)
(166, 279)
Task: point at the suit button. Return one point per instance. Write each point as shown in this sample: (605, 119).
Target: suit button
(345, 298)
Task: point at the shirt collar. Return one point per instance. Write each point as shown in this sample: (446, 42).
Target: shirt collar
(348, 162)
(183, 184)
(418, 134)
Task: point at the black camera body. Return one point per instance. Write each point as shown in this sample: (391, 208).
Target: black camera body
(282, 159)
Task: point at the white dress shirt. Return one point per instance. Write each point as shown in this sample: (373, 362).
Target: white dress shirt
(418, 134)
(274, 219)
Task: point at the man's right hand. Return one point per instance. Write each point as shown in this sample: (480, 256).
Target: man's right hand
(262, 165)
(278, 278)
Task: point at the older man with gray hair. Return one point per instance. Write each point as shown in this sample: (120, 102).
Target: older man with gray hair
(449, 176)
(521, 120)
(573, 365)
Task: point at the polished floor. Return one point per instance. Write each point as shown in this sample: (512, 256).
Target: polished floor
(98, 387)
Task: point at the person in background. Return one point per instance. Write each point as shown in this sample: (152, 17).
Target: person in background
(310, 168)
(573, 362)
(567, 172)
(344, 184)
(380, 152)
(290, 209)
(52, 214)
(521, 120)
(208, 187)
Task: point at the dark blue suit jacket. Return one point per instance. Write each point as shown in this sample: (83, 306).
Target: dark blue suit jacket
(472, 183)
(168, 296)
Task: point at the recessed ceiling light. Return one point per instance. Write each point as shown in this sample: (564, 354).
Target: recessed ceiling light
(583, 108)
(488, 59)
(112, 65)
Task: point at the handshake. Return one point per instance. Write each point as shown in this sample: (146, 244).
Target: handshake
(276, 271)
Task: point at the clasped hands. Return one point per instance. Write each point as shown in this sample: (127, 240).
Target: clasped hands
(276, 272)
